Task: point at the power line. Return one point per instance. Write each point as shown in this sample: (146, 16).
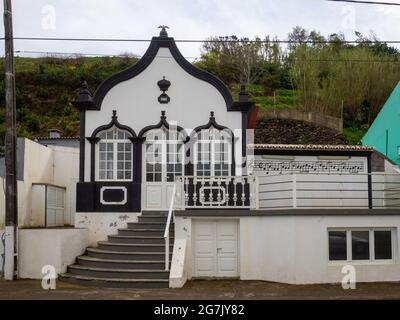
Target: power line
(92, 54)
(75, 53)
(367, 2)
(204, 40)
(168, 57)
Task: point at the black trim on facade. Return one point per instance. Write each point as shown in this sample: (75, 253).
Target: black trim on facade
(213, 123)
(114, 122)
(163, 123)
(89, 197)
(303, 152)
(82, 102)
(93, 141)
(145, 61)
(137, 158)
(82, 126)
(217, 213)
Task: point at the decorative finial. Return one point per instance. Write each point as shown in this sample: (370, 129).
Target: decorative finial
(163, 115)
(163, 32)
(243, 95)
(84, 99)
(212, 114)
(114, 113)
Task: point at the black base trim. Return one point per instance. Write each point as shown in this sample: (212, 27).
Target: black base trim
(88, 197)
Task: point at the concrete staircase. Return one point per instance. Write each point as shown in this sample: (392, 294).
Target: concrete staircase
(134, 258)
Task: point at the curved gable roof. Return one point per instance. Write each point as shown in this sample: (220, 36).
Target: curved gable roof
(146, 60)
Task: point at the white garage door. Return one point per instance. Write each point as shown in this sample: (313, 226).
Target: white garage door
(216, 248)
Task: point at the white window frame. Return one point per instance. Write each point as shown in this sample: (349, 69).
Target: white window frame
(168, 138)
(213, 143)
(115, 143)
(372, 259)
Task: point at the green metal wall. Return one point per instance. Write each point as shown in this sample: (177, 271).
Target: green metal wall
(384, 133)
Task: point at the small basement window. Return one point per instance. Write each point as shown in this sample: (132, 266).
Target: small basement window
(361, 245)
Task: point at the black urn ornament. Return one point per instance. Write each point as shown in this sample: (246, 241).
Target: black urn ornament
(164, 85)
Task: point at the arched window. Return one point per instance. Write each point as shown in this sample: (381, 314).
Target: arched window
(164, 155)
(114, 155)
(213, 152)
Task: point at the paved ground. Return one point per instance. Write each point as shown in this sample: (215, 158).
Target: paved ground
(211, 290)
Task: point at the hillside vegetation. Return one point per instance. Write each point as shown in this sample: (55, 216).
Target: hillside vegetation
(313, 72)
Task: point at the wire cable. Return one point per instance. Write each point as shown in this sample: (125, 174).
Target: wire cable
(367, 2)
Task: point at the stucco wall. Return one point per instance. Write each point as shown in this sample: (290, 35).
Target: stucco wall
(294, 249)
(1, 249)
(137, 106)
(66, 174)
(101, 225)
(47, 165)
(55, 247)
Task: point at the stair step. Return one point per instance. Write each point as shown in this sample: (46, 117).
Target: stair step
(143, 232)
(121, 264)
(138, 239)
(115, 255)
(116, 282)
(117, 273)
(154, 212)
(147, 225)
(159, 219)
(129, 247)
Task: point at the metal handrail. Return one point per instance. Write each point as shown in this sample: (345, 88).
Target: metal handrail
(166, 233)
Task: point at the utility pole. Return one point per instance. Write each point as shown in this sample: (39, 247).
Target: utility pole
(10, 154)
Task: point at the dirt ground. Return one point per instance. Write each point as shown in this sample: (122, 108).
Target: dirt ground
(200, 290)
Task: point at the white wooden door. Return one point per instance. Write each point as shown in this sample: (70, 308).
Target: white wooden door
(162, 162)
(216, 248)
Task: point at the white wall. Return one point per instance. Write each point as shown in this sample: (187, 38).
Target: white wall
(55, 247)
(294, 249)
(137, 106)
(66, 174)
(47, 165)
(101, 225)
(1, 250)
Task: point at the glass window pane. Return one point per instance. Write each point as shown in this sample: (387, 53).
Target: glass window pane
(383, 244)
(120, 147)
(337, 246)
(102, 146)
(149, 177)
(109, 175)
(360, 245)
(157, 177)
(120, 174)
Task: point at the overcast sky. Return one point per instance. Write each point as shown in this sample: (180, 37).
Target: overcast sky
(188, 19)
